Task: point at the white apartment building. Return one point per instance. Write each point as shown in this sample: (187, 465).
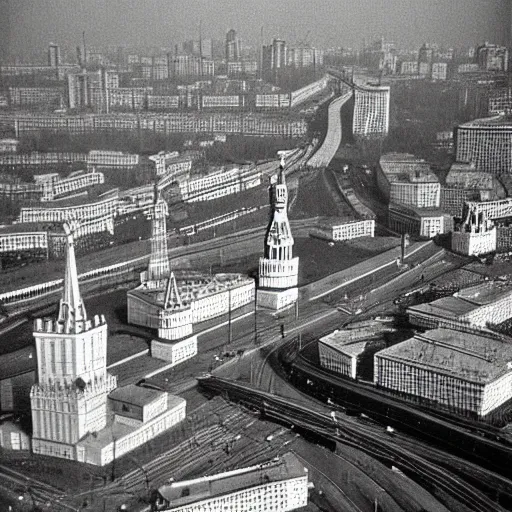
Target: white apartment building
(371, 111)
(106, 158)
(75, 182)
(219, 184)
(486, 144)
(338, 230)
(102, 207)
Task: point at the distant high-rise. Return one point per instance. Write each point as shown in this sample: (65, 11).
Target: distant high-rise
(233, 46)
(279, 53)
(54, 55)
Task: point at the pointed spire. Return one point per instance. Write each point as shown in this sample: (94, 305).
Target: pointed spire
(71, 309)
(172, 295)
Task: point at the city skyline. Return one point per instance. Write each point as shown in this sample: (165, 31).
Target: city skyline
(336, 24)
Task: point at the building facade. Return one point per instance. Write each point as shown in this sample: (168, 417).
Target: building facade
(371, 111)
(280, 485)
(463, 372)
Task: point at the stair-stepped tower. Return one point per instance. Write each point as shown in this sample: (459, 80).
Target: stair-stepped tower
(278, 269)
(69, 399)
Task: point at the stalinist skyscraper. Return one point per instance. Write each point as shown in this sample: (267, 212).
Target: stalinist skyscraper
(70, 397)
(278, 269)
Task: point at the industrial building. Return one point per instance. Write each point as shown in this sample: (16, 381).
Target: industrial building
(480, 305)
(466, 373)
(278, 485)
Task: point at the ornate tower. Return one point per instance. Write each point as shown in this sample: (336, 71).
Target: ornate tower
(174, 324)
(158, 268)
(70, 397)
(278, 269)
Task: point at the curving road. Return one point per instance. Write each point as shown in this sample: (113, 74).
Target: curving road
(323, 157)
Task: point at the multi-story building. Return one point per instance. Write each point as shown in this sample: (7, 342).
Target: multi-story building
(500, 101)
(294, 126)
(406, 179)
(486, 143)
(422, 222)
(344, 351)
(242, 67)
(305, 57)
(486, 303)
(371, 111)
(409, 67)
(492, 57)
(70, 209)
(187, 65)
(279, 485)
(278, 268)
(35, 159)
(9, 145)
(106, 158)
(234, 101)
(466, 373)
(233, 47)
(336, 229)
(165, 163)
(219, 184)
(74, 182)
(49, 97)
(439, 71)
(71, 406)
(54, 55)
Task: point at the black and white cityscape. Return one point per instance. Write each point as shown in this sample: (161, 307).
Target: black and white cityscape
(255, 256)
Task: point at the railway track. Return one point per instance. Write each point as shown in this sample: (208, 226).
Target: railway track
(436, 478)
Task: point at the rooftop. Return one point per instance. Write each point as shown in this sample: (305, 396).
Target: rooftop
(501, 121)
(469, 356)
(466, 300)
(352, 342)
(420, 212)
(190, 491)
(135, 395)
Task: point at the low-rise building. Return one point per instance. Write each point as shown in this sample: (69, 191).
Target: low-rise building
(345, 351)
(337, 229)
(279, 485)
(464, 372)
(422, 222)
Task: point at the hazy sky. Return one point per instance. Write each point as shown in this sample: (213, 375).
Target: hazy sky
(33, 23)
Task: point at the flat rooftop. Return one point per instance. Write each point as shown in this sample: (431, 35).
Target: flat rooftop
(471, 357)
(135, 395)
(466, 300)
(190, 491)
(352, 342)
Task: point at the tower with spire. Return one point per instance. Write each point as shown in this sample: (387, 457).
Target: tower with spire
(69, 399)
(278, 269)
(159, 268)
(175, 323)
